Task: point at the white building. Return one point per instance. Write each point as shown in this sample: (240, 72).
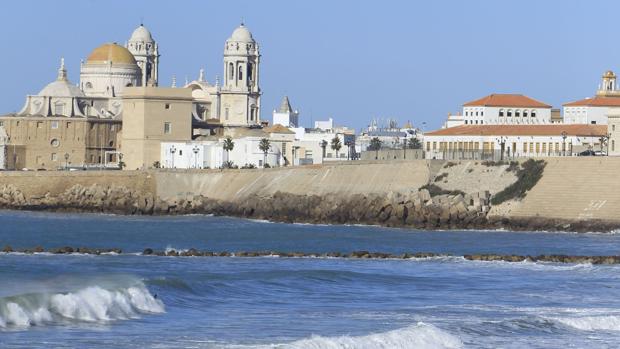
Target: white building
(594, 110)
(211, 154)
(285, 115)
(392, 136)
(505, 109)
(518, 140)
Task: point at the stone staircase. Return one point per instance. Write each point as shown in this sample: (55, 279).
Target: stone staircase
(576, 188)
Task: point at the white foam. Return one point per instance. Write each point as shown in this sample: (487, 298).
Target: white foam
(592, 323)
(419, 336)
(91, 304)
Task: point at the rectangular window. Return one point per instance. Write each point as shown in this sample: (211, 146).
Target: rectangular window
(434, 145)
(525, 147)
(428, 146)
(537, 147)
(284, 148)
(68, 124)
(54, 157)
(17, 124)
(226, 112)
(167, 106)
(54, 125)
(167, 128)
(501, 113)
(613, 127)
(531, 147)
(1, 123)
(39, 124)
(544, 148)
(308, 154)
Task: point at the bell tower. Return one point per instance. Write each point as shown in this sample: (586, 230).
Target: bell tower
(240, 90)
(146, 52)
(608, 85)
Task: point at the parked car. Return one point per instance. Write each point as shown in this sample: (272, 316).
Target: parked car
(600, 153)
(587, 153)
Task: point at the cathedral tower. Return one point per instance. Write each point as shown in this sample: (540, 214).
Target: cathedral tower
(146, 52)
(240, 91)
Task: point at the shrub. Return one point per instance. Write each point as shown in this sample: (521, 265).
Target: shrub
(527, 176)
(435, 190)
(229, 164)
(440, 177)
(248, 166)
(513, 167)
(267, 166)
(449, 164)
(470, 170)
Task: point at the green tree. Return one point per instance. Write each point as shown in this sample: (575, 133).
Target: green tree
(336, 145)
(264, 146)
(228, 146)
(375, 144)
(414, 143)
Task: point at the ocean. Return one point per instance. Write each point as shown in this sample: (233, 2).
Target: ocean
(132, 301)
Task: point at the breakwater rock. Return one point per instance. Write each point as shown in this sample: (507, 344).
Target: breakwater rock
(193, 252)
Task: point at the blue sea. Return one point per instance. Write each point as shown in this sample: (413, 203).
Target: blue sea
(133, 301)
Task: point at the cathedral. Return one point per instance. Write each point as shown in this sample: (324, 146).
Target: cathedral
(80, 124)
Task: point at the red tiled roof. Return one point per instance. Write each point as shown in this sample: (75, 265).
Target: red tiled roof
(507, 100)
(598, 101)
(522, 130)
(277, 128)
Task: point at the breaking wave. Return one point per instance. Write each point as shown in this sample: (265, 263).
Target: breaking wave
(419, 336)
(592, 323)
(92, 304)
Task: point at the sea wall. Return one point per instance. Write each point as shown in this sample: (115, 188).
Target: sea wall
(573, 194)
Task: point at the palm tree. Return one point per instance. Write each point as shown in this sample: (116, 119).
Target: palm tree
(264, 146)
(228, 146)
(414, 143)
(336, 145)
(375, 144)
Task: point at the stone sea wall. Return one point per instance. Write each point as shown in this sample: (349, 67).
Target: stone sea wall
(416, 194)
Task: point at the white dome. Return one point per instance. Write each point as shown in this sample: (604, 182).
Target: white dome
(241, 34)
(141, 34)
(61, 88)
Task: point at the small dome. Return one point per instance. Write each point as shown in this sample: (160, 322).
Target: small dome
(241, 34)
(61, 88)
(609, 74)
(111, 53)
(141, 34)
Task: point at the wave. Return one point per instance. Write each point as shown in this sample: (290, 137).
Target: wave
(419, 336)
(591, 323)
(93, 304)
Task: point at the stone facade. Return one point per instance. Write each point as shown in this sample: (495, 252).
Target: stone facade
(154, 115)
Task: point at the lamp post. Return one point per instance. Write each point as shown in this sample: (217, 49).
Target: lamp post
(120, 161)
(295, 147)
(564, 134)
(348, 144)
(66, 161)
(195, 149)
(502, 144)
(173, 150)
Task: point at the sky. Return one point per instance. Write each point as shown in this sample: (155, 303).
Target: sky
(351, 60)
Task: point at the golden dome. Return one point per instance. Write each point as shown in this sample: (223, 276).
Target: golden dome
(111, 52)
(609, 74)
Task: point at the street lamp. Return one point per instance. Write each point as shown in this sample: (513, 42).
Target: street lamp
(173, 150)
(195, 150)
(348, 144)
(564, 134)
(66, 161)
(502, 144)
(120, 160)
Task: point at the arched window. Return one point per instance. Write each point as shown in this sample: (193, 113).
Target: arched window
(524, 113)
(533, 113)
(517, 113)
(250, 71)
(509, 113)
(501, 112)
(88, 85)
(231, 69)
(240, 75)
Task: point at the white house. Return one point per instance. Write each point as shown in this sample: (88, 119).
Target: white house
(594, 110)
(211, 154)
(505, 109)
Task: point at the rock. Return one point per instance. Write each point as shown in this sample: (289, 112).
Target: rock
(7, 249)
(147, 251)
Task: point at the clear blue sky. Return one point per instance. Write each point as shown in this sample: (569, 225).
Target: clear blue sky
(352, 60)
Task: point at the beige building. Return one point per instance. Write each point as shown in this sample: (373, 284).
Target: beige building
(613, 131)
(152, 115)
(53, 131)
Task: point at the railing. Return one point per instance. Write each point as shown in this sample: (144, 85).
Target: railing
(489, 155)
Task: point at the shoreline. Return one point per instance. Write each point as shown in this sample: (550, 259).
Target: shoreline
(485, 223)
